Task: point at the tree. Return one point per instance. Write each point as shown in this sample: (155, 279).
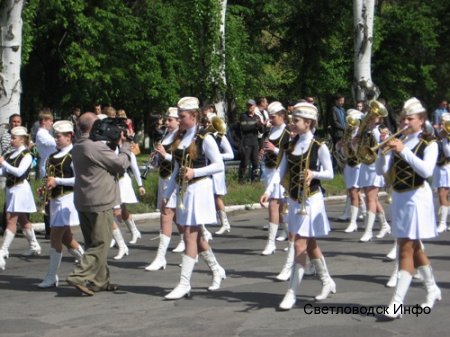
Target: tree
(11, 47)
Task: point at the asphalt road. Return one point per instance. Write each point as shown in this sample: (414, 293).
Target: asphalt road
(246, 305)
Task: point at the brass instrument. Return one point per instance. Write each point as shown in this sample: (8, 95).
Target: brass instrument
(218, 125)
(153, 158)
(352, 123)
(375, 148)
(186, 162)
(364, 153)
(43, 190)
(305, 187)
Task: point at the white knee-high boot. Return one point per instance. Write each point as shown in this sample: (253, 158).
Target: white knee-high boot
(403, 282)
(443, 212)
(392, 282)
(35, 248)
(77, 253)
(433, 291)
(346, 215)
(392, 255)
(352, 226)
(135, 234)
(184, 287)
(290, 297)
(271, 235)
(328, 285)
(123, 249)
(369, 221)
(284, 232)
(286, 272)
(362, 208)
(385, 228)
(224, 222)
(218, 272)
(160, 260)
(51, 280)
(180, 246)
(8, 238)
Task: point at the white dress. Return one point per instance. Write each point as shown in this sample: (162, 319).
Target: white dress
(199, 207)
(441, 174)
(368, 176)
(163, 182)
(62, 209)
(278, 190)
(19, 198)
(412, 212)
(315, 223)
(220, 186)
(127, 195)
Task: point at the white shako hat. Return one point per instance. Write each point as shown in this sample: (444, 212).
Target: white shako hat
(354, 113)
(445, 117)
(305, 110)
(63, 126)
(413, 106)
(19, 131)
(188, 103)
(275, 107)
(172, 112)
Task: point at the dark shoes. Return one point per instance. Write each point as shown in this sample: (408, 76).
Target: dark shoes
(89, 289)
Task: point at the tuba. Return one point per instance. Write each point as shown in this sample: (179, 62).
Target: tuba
(364, 151)
(218, 125)
(352, 123)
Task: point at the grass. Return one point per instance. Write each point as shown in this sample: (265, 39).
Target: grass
(238, 194)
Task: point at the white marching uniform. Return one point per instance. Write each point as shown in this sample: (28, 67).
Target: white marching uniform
(127, 195)
(62, 209)
(412, 211)
(315, 223)
(199, 197)
(164, 182)
(19, 198)
(220, 186)
(278, 190)
(441, 174)
(368, 175)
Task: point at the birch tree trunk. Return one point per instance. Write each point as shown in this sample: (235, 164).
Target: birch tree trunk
(11, 51)
(363, 15)
(221, 106)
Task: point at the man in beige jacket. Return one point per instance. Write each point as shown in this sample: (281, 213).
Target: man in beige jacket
(96, 191)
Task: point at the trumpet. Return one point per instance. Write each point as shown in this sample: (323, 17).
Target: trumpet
(186, 162)
(375, 148)
(305, 188)
(43, 190)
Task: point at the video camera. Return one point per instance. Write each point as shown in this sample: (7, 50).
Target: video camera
(108, 129)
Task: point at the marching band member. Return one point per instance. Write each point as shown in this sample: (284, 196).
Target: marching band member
(165, 170)
(369, 180)
(197, 157)
(59, 184)
(16, 165)
(412, 211)
(441, 175)
(352, 167)
(277, 138)
(305, 161)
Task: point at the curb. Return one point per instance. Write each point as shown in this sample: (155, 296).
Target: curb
(39, 226)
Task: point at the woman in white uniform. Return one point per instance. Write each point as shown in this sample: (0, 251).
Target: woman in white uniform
(412, 211)
(304, 163)
(197, 158)
(168, 214)
(59, 187)
(16, 165)
(371, 182)
(441, 174)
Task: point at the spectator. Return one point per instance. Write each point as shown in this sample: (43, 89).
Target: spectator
(443, 108)
(338, 123)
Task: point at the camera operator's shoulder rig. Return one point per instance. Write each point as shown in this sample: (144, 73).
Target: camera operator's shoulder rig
(108, 129)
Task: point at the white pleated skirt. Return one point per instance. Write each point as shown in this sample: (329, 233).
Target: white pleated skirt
(63, 212)
(220, 186)
(20, 199)
(368, 177)
(278, 190)
(315, 223)
(127, 195)
(199, 207)
(412, 214)
(441, 176)
(162, 187)
(351, 176)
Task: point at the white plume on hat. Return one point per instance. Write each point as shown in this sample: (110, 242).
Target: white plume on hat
(19, 131)
(63, 126)
(188, 103)
(413, 106)
(305, 110)
(172, 112)
(275, 107)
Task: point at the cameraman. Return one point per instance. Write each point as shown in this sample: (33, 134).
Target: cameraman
(95, 194)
